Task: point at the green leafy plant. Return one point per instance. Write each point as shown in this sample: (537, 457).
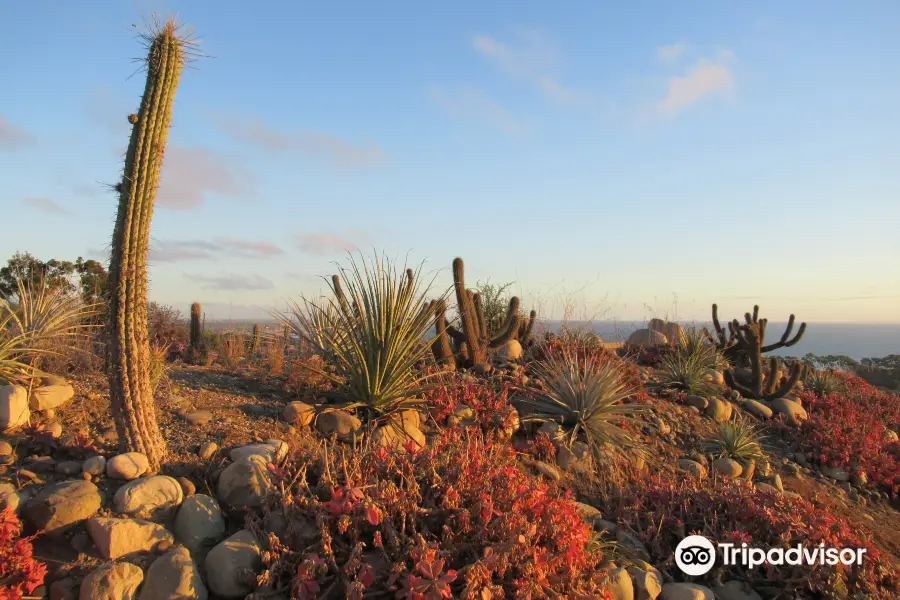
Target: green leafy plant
(695, 342)
(585, 395)
(371, 334)
(822, 383)
(685, 370)
(738, 439)
(495, 302)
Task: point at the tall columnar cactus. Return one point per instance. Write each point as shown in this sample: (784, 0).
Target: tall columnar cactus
(761, 386)
(196, 331)
(254, 346)
(128, 346)
(729, 344)
(474, 328)
(440, 343)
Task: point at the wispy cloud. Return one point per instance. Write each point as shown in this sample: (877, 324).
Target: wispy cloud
(329, 242)
(171, 251)
(533, 59)
(13, 137)
(46, 205)
(232, 282)
(706, 78)
(312, 144)
(671, 52)
(190, 173)
(467, 102)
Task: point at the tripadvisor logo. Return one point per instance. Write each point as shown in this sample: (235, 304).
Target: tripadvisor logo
(695, 555)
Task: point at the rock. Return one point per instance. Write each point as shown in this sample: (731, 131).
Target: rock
(54, 429)
(692, 468)
(776, 481)
(223, 563)
(271, 450)
(736, 590)
(13, 407)
(511, 350)
(567, 457)
(647, 583)
(548, 471)
(118, 581)
(765, 487)
(340, 423)
(392, 436)
(6, 449)
(245, 482)
(890, 436)
(10, 497)
(794, 414)
(697, 401)
(187, 486)
(686, 591)
(800, 457)
(836, 473)
(174, 576)
(143, 497)
(199, 524)
(61, 505)
(50, 396)
(63, 589)
(96, 465)
(673, 331)
(463, 416)
(647, 337)
(130, 465)
(587, 511)
(859, 478)
(715, 376)
(208, 450)
(50, 379)
(620, 585)
(116, 538)
(727, 467)
(757, 409)
(198, 418)
(298, 414)
(661, 426)
(630, 541)
(719, 410)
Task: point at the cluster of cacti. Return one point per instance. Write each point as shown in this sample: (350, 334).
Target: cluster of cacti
(473, 342)
(128, 345)
(196, 339)
(729, 344)
(760, 385)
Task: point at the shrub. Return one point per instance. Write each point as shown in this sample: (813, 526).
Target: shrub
(459, 519)
(663, 512)
(371, 333)
(685, 370)
(159, 370)
(20, 573)
(232, 350)
(586, 397)
(738, 439)
(822, 383)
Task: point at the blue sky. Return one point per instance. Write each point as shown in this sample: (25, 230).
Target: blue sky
(632, 158)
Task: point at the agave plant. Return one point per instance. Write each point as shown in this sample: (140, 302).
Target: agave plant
(695, 343)
(822, 383)
(738, 439)
(38, 322)
(585, 396)
(686, 370)
(370, 331)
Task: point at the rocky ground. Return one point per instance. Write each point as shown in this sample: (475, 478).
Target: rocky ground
(108, 530)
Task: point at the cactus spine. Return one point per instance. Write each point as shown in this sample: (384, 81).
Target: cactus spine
(196, 331)
(128, 346)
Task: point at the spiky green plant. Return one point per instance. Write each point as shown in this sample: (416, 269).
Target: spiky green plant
(37, 323)
(694, 342)
(128, 347)
(685, 370)
(370, 331)
(822, 383)
(585, 397)
(738, 439)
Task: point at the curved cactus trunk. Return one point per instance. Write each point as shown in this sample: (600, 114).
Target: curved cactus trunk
(128, 346)
(196, 331)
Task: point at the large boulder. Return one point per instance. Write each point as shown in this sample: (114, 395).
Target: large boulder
(118, 581)
(336, 422)
(174, 576)
(130, 465)
(647, 582)
(647, 337)
(143, 497)
(49, 397)
(793, 412)
(620, 585)
(13, 407)
(61, 505)
(199, 524)
(757, 409)
(246, 482)
(271, 450)
(115, 538)
(224, 562)
(673, 331)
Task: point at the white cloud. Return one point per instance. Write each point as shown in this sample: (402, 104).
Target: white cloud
(328, 242)
(468, 102)
(232, 282)
(671, 52)
(534, 59)
(704, 79)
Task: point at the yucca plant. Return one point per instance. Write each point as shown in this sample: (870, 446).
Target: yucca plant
(738, 439)
(685, 370)
(38, 322)
(585, 396)
(822, 383)
(370, 333)
(695, 343)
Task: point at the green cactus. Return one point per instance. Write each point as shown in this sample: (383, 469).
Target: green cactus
(254, 345)
(196, 330)
(734, 352)
(761, 386)
(440, 344)
(474, 329)
(128, 346)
